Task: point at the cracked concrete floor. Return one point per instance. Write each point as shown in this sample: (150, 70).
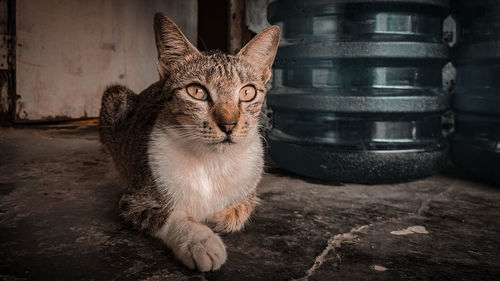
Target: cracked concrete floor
(59, 221)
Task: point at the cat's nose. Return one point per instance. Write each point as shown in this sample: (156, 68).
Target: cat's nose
(227, 127)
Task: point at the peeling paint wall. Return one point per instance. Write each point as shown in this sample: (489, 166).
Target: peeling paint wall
(69, 51)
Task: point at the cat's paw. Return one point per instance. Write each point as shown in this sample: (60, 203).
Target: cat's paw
(232, 218)
(204, 250)
(226, 222)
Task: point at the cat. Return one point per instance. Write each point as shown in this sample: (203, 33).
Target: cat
(188, 147)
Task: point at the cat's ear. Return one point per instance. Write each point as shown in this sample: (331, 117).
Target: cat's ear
(261, 50)
(171, 43)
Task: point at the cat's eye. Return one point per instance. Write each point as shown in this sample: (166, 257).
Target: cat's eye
(248, 93)
(197, 92)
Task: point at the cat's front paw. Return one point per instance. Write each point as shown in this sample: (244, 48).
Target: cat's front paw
(233, 218)
(228, 220)
(204, 250)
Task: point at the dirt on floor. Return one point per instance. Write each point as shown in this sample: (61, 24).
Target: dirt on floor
(59, 221)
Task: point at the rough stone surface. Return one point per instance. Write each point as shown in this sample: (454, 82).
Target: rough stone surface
(59, 221)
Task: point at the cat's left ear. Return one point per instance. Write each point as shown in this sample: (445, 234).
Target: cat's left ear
(261, 50)
(171, 43)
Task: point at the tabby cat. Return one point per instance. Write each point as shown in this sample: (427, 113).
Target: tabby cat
(188, 147)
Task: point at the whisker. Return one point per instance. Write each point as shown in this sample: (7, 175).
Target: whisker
(265, 141)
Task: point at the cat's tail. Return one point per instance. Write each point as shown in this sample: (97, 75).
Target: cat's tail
(117, 105)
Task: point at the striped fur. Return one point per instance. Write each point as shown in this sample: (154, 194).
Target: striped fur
(180, 170)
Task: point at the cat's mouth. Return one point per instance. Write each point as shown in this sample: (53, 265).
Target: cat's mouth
(227, 140)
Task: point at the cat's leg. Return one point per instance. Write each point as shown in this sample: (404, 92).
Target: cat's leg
(143, 210)
(233, 218)
(193, 243)
(196, 245)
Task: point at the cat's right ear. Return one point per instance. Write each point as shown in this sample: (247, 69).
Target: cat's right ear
(171, 43)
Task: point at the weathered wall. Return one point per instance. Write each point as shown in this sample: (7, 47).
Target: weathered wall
(68, 51)
(4, 73)
(256, 14)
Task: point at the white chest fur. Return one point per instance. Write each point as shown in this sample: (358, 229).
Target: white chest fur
(204, 182)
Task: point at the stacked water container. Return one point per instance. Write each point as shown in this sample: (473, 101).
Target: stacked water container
(357, 91)
(476, 142)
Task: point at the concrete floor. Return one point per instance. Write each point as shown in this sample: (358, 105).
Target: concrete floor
(59, 221)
